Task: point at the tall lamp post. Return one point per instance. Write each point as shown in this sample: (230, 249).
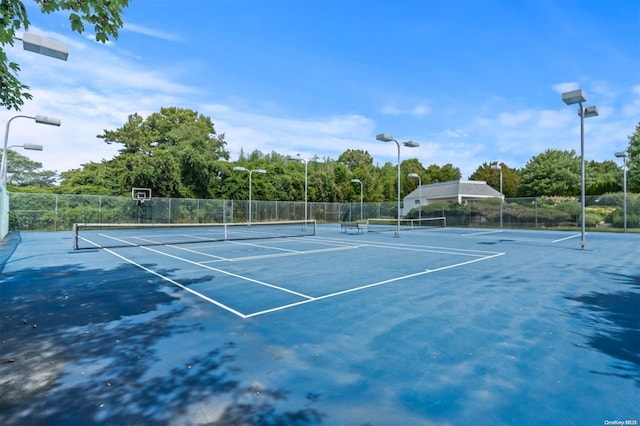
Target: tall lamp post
(244, 169)
(40, 119)
(624, 155)
(497, 167)
(415, 175)
(410, 144)
(360, 182)
(313, 159)
(571, 98)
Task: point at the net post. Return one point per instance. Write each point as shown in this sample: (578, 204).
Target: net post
(74, 237)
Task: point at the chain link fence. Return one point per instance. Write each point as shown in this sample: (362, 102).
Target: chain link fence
(58, 212)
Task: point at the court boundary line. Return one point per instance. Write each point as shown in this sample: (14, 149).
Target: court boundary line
(367, 286)
(307, 298)
(566, 238)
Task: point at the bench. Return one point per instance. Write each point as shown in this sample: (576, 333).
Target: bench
(350, 226)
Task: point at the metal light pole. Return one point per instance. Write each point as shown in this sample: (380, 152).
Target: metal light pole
(571, 98)
(360, 182)
(497, 167)
(415, 175)
(624, 155)
(313, 159)
(40, 119)
(411, 144)
(243, 169)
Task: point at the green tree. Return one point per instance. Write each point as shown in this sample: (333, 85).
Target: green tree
(602, 177)
(510, 178)
(93, 179)
(553, 172)
(23, 172)
(103, 16)
(354, 158)
(633, 162)
(175, 152)
(446, 173)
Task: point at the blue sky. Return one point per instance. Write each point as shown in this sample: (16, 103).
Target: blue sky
(472, 81)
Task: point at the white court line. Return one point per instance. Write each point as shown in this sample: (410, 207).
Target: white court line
(197, 252)
(432, 250)
(363, 287)
(117, 239)
(296, 253)
(435, 249)
(200, 295)
(481, 233)
(237, 243)
(231, 274)
(566, 238)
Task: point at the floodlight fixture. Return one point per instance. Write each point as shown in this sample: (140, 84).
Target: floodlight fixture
(574, 97)
(32, 146)
(44, 46)
(591, 111)
(384, 137)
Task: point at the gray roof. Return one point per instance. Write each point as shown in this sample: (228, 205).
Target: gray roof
(465, 188)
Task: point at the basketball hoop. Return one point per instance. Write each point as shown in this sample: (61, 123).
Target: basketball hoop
(140, 195)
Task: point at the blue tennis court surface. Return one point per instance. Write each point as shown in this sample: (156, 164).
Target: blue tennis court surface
(441, 326)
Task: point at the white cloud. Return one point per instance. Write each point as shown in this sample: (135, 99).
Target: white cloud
(326, 136)
(139, 29)
(419, 110)
(510, 119)
(565, 87)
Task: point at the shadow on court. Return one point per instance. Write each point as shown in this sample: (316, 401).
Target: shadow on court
(534, 331)
(82, 346)
(613, 321)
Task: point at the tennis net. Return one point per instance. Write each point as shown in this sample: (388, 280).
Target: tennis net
(102, 235)
(383, 225)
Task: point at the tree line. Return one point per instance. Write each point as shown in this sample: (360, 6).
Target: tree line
(178, 153)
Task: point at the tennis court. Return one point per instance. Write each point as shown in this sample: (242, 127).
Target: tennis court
(440, 326)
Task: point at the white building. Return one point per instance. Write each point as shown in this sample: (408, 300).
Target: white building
(457, 191)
